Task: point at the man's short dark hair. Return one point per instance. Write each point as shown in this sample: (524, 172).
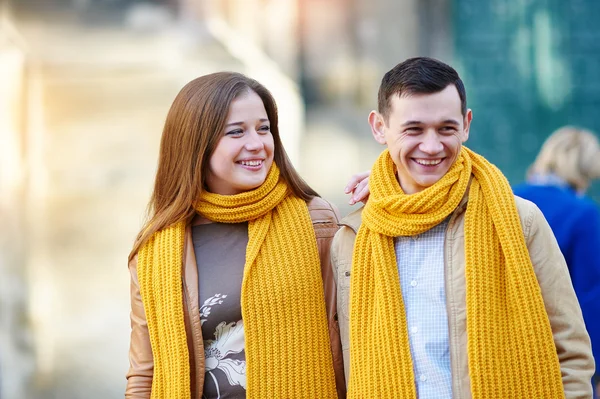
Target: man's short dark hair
(419, 75)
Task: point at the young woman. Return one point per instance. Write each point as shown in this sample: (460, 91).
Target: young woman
(232, 293)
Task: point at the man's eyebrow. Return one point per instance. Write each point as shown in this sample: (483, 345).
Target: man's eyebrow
(446, 122)
(412, 123)
(451, 121)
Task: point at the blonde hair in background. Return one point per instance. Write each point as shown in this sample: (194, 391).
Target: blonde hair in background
(572, 154)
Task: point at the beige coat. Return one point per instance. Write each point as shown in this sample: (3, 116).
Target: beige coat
(139, 377)
(570, 336)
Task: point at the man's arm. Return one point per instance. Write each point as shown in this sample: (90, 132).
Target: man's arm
(341, 262)
(570, 336)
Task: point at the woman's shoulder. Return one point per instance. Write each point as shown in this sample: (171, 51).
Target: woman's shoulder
(322, 211)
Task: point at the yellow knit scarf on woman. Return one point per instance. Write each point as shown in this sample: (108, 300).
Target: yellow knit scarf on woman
(287, 344)
(511, 352)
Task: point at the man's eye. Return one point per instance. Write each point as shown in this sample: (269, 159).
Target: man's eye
(448, 129)
(236, 132)
(413, 130)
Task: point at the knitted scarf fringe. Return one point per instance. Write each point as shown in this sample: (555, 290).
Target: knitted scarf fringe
(511, 351)
(287, 346)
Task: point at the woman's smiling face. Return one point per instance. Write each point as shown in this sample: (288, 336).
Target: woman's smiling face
(244, 154)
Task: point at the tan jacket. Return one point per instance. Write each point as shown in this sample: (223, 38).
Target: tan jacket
(139, 378)
(570, 336)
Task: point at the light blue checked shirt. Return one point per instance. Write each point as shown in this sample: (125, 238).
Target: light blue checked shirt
(420, 262)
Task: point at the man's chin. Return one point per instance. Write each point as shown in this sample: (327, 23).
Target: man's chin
(429, 181)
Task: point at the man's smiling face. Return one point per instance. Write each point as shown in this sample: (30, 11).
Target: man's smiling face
(424, 134)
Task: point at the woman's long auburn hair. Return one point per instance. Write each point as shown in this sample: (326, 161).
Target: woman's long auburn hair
(192, 130)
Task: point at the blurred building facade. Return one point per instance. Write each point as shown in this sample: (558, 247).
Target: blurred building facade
(86, 84)
(17, 358)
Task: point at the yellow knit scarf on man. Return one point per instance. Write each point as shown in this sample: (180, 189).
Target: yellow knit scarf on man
(287, 344)
(511, 352)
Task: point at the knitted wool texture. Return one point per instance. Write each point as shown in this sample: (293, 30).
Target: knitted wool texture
(287, 346)
(511, 352)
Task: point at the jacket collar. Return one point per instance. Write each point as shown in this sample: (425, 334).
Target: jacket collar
(354, 219)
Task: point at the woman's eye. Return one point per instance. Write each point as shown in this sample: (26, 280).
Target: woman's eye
(236, 132)
(264, 129)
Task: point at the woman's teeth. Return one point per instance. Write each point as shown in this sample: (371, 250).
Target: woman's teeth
(251, 163)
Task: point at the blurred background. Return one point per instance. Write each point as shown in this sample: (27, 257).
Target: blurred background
(85, 86)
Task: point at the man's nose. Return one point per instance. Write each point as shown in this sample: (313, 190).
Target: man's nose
(431, 143)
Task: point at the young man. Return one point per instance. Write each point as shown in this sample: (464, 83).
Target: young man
(448, 285)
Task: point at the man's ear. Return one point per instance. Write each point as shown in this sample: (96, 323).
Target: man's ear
(377, 125)
(467, 125)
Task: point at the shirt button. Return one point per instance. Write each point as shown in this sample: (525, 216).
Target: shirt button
(414, 330)
(423, 378)
(413, 283)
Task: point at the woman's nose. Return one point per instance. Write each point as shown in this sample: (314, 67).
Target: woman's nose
(254, 141)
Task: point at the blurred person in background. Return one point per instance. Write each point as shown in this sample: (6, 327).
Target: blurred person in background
(556, 182)
(232, 293)
(449, 285)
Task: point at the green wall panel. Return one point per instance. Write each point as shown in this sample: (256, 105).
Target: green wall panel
(529, 66)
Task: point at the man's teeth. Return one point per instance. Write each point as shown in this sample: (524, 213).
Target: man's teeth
(251, 163)
(428, 162)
